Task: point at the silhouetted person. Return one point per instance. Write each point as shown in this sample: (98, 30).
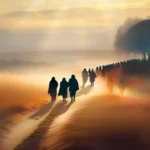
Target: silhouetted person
(100, 68)
(89, 71)
(103, 71)
(97, 70)
(73, 87)
(53, 88)
(63, 89)
(92, 77)
(84, 76)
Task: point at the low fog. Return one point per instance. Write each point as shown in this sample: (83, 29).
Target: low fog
(50, 39)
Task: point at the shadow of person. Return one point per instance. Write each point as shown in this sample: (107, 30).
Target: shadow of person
(84, 91)
(60, 108)
(34, 140)
(42, 111)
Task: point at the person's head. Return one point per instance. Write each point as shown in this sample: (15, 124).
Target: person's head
(84, 70)
(73, 76)
(53, 78)
(64, 79)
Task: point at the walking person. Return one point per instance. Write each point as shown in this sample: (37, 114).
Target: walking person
(92, 77)
(63, 89)
(73, 87)
(52, 90)
(84, 77)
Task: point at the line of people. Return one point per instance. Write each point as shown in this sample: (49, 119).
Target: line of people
(133, 66)
(63, 90)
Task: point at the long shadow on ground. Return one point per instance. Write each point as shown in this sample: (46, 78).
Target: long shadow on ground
(108, 122)
(43, 110)
(34, 140)
(84, 91)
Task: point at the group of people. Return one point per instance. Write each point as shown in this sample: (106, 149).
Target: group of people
(63, 90)
(72, 85)
(113, 73)
(116, 74)
(133, 66)
(88, 74)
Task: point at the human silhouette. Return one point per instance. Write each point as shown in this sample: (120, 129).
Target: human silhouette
(89, 71)
(73, 87)
(52, 90)
(63, 89)
(100, 68)
(97, 71)
(84, 76)
(103, 71)
(92, 77)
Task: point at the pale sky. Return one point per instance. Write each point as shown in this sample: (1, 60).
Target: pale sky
(59, 17)
(42, 13)
(19, 5)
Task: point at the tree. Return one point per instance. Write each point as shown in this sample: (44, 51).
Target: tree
(137, 38)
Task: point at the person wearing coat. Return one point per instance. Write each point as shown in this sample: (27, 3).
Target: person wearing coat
(63, 89)
(73, 87)
(52, 90)
(84, 76)
(92, 77)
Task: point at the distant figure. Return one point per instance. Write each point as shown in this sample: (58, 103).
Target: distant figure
(84, 77)
(92, 77)
(103, 71)
(52, 90)
(89, 71)
(63, 89)
(97, 70)
(73, 87)
(100, 68)
(100, 71)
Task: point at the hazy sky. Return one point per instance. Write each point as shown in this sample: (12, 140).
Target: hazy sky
(19, 5)
(65, 24)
